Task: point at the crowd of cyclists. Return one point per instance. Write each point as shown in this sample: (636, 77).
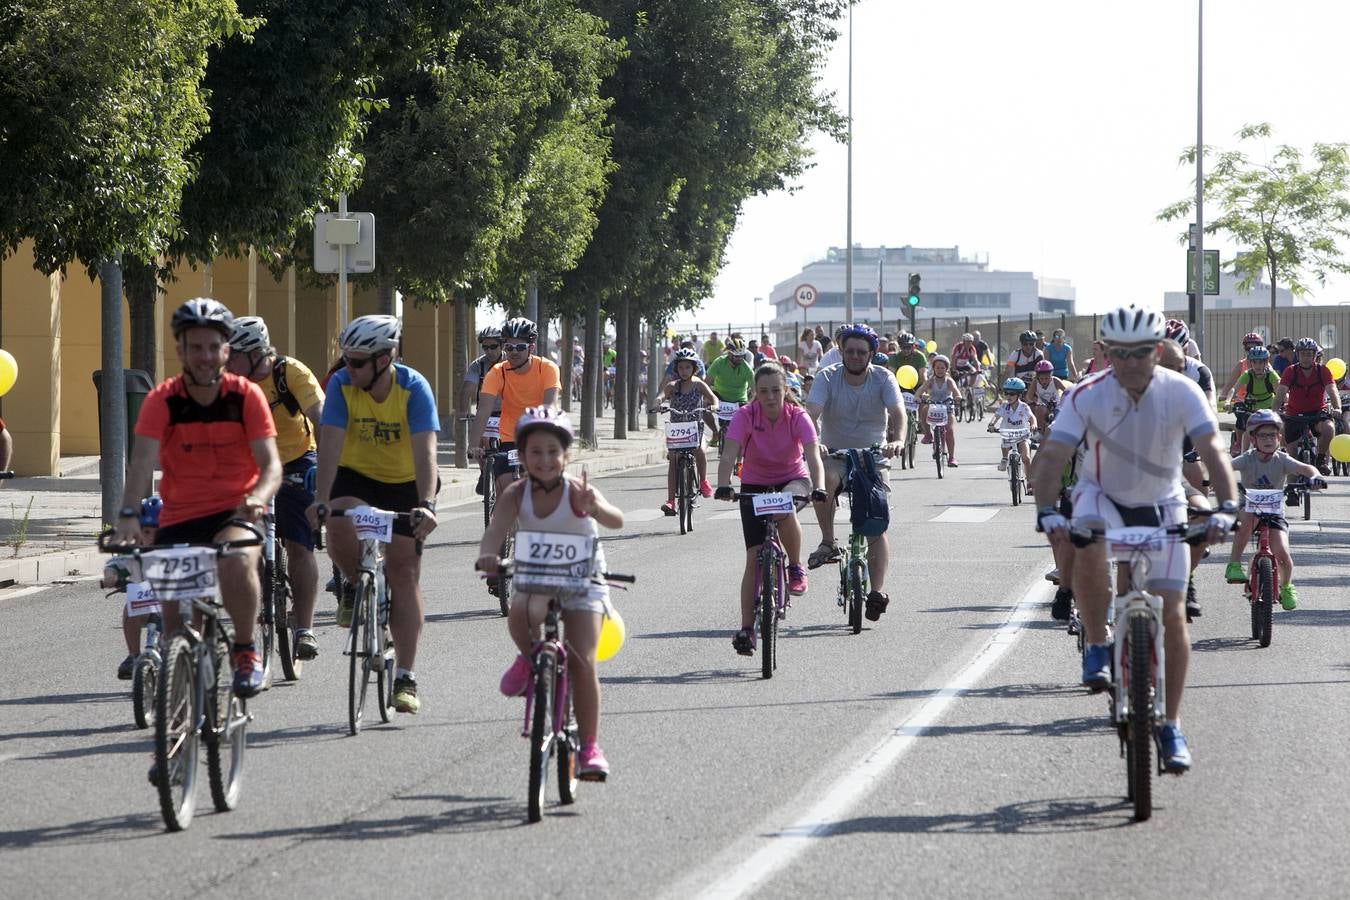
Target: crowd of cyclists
(1131, 438)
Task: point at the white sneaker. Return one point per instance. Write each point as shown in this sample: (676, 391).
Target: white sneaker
(1003, 464)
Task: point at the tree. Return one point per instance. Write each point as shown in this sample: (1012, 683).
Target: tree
(1286, 214)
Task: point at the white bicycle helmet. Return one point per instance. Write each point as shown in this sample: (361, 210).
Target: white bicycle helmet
(1132, 325)
(535, 418)
(249, 334)
(371, 334)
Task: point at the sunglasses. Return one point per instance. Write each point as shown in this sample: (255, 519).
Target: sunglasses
(515, 348)
(1131, 352)
(491, 346)
(360, 363)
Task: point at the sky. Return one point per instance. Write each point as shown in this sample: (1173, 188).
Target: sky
(1044, 133)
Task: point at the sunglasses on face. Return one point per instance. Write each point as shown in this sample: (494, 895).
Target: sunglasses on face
(491, 347)
(1131, 352)
(359, 363)
(515, 348)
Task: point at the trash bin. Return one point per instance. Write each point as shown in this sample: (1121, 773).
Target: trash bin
(138, 383)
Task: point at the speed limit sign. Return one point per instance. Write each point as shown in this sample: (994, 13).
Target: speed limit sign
(805, 295)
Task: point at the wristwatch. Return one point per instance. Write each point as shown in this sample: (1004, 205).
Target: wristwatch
(429, 505)
(128, 512)
(1228, 506)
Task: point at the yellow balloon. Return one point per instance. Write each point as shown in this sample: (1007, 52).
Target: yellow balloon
(932, 346)
(9, 371)
(907, 377)
(612, 633)
(1337, 367)
(1340, 448)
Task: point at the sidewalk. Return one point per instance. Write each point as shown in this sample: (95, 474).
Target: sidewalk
(48, 525)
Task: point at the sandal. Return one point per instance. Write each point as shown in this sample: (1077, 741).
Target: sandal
(825, 553)
(743, 642)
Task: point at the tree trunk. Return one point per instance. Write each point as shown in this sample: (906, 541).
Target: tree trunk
(140, 283)
(542, 322)
(1274, 334)
(387, 289)
(655, 368)
(591, 370)
(459, 364)
(622, 368)
(633, 357)
(565, 361)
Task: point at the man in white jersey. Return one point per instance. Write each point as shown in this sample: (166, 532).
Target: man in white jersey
(1132, 419)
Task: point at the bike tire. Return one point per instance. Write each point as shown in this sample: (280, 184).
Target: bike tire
(939, 448)
(489, 495)
(227, 733)
(504, 578)
(1263, 606)
(267, 619)
(176, 734)
(383, 660)
(856, 596)
(541, 737)
(768, 613)
(682, 498)
(143, 679)
(1307, 505)
(568, 745)
(1141, 717)
(1015, 476)
(358, 669)
(291, 667)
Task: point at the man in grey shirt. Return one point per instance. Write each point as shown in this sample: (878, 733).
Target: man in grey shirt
(856, 405)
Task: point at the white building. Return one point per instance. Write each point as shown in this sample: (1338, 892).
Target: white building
(952, 285)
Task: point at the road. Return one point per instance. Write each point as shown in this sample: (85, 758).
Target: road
(945, 751)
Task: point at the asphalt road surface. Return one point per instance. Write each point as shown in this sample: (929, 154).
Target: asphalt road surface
(945, 751)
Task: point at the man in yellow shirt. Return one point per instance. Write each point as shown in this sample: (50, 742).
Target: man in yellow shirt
(296, 400)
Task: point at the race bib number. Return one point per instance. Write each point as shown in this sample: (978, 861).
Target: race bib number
(1140, 538)
(725, 410)
(547, 562)
(141, 599)
(1014, 436)
(1267, 503)
(681, 435)
(911, 402)
(181, 573)
(611, 370)
(372, 524)
(493, 429)
(977, 393)
(771, 504)
(513, 457)
(937, 414)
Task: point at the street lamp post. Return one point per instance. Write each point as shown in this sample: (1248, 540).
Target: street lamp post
(1199, 317)
(848, 228)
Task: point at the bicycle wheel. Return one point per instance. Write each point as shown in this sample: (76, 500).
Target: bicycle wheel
(358, 670)
(504, 578)
(1263, 605)
(291, 667)
(768, 611)
(382, 655)
(541, 737)
(267, 619)
(1015, 476)
(568, 743)
(176, 734)
(856, 595)
(1141, 717)
(489, 496)
(939, 447)
(143, 679)
(226, 731)
(683, 499)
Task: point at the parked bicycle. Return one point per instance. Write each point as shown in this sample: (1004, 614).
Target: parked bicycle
(771, 596)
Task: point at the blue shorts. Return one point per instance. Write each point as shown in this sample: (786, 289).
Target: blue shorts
(292, 501)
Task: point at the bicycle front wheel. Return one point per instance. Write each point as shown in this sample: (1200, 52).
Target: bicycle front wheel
(939, 448)
(358, 670)
(856, 595)
(1015, 476)
(226, 730)
(1263, 604)
(504, 577)
(291, 667)
(541, 736)
(687, 488)
(768, 612)
(143, 680)
(267, 618)
(1140, 747)
(176, 718)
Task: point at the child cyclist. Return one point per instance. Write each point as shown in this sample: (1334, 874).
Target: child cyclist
(121, 570)
(1014, 413)
(1257, 385)
(687, 395)
(1046, 388)
(547, 500)
(778, 443)
(1265, 468)
(939, 388)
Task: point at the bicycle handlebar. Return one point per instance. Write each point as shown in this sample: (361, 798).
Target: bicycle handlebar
(505, 566)
(1189, 533)
(223, 548)
(6, 474)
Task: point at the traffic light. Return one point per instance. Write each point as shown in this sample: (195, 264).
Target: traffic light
(912, 298)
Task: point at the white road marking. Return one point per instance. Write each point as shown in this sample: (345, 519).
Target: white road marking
(642, 515)
(781, 845)
(8, 594)
(965, 514)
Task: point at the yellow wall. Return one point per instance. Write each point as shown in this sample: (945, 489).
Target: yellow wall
(30, 329)
(276, 305)
(188, 282)
(421, 327)
(316, 326)
(81, 348)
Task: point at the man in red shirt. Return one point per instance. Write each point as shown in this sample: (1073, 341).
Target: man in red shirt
(1302, 398)
(211, 433)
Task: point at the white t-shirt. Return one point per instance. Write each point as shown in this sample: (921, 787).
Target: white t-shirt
(1010, 418)
(1133, 450)
(1191, 348)
(808, 352)
(831, 357)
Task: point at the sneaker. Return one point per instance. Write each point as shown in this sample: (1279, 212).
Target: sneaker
(517, 678)
(346, 603)
(248, 672)
(1063, 605)
(1233, 573)
(1192, 604)
(927, 439)
(405, 696)
(126, 667)
(1323, 465)
(796, 581)
(705, 489)
(1052, 576)
(1176, 756)
(1003, 464)
(591, 764)
(478, 488)
(668, 507)
(951, 461)
(306, 645)
(743, 642)
(1288, 596)
(1097, 667)
(332, 585)
(876, 605)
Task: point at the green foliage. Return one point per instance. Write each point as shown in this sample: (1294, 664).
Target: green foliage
(1288, 215)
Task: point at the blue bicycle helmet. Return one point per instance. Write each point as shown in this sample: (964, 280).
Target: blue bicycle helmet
(1015, 386)
(880, 359)
(862, 330)
(1257, 354)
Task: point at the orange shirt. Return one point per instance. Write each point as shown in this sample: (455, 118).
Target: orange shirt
(519, 390)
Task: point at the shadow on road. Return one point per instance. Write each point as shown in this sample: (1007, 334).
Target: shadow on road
(484, 814)
(1222, 643)
(60, 699)
(1066, 814)
(91, 831)
(1041, 690)
(698, 676)
(1338, 618)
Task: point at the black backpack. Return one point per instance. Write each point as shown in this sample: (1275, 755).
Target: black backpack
(871, 512)
(284, 395)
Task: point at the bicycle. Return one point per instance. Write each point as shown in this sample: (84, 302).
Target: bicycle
(185, 708)
(725, 411)
(855, 581)
(370, 649)
(771, 597)
(911, 441)
(559, 565)
(1263, 576)
(939, 415)
(1138, 696)
(975, 403)
(273, 612)
(1241, 409)
(141, 601)
(502, 585)
(1011, 438)
(682, 439)
(1305, 452)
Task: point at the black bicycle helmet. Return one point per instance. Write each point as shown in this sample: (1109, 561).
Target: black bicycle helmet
(1027, 337)
(489, 332)
(521, 329)
(202, 312)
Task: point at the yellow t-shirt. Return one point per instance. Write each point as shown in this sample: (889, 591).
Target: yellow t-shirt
(295, 433)
(378, 442)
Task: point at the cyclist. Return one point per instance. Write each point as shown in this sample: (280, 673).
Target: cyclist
(1060, 354)
(377, 447)
(1129, 416)
(1302, 398)
(1022, 361)
(1249, 341)
(1015, 414)
(778, 442)
(833, 355)
(939, 388)
(1046, 390)
(1258, 385)
(687, 395)
(296, 400)
(699, 369)
(981, 348)
(859, 406)
(1176, 330)
(210, 433)
(544, 436)
(490, 342)
(1265, 467)
(809, 352)
(910, 355)
(117, 573)
(965, 361)
(521, 380)
(730, 376)
(1283, 355)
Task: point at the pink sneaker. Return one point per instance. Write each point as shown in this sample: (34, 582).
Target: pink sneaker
(705, 489)
(796, 581)
(517, 678)
(951, 461)
(592, 765)
(927, 439)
